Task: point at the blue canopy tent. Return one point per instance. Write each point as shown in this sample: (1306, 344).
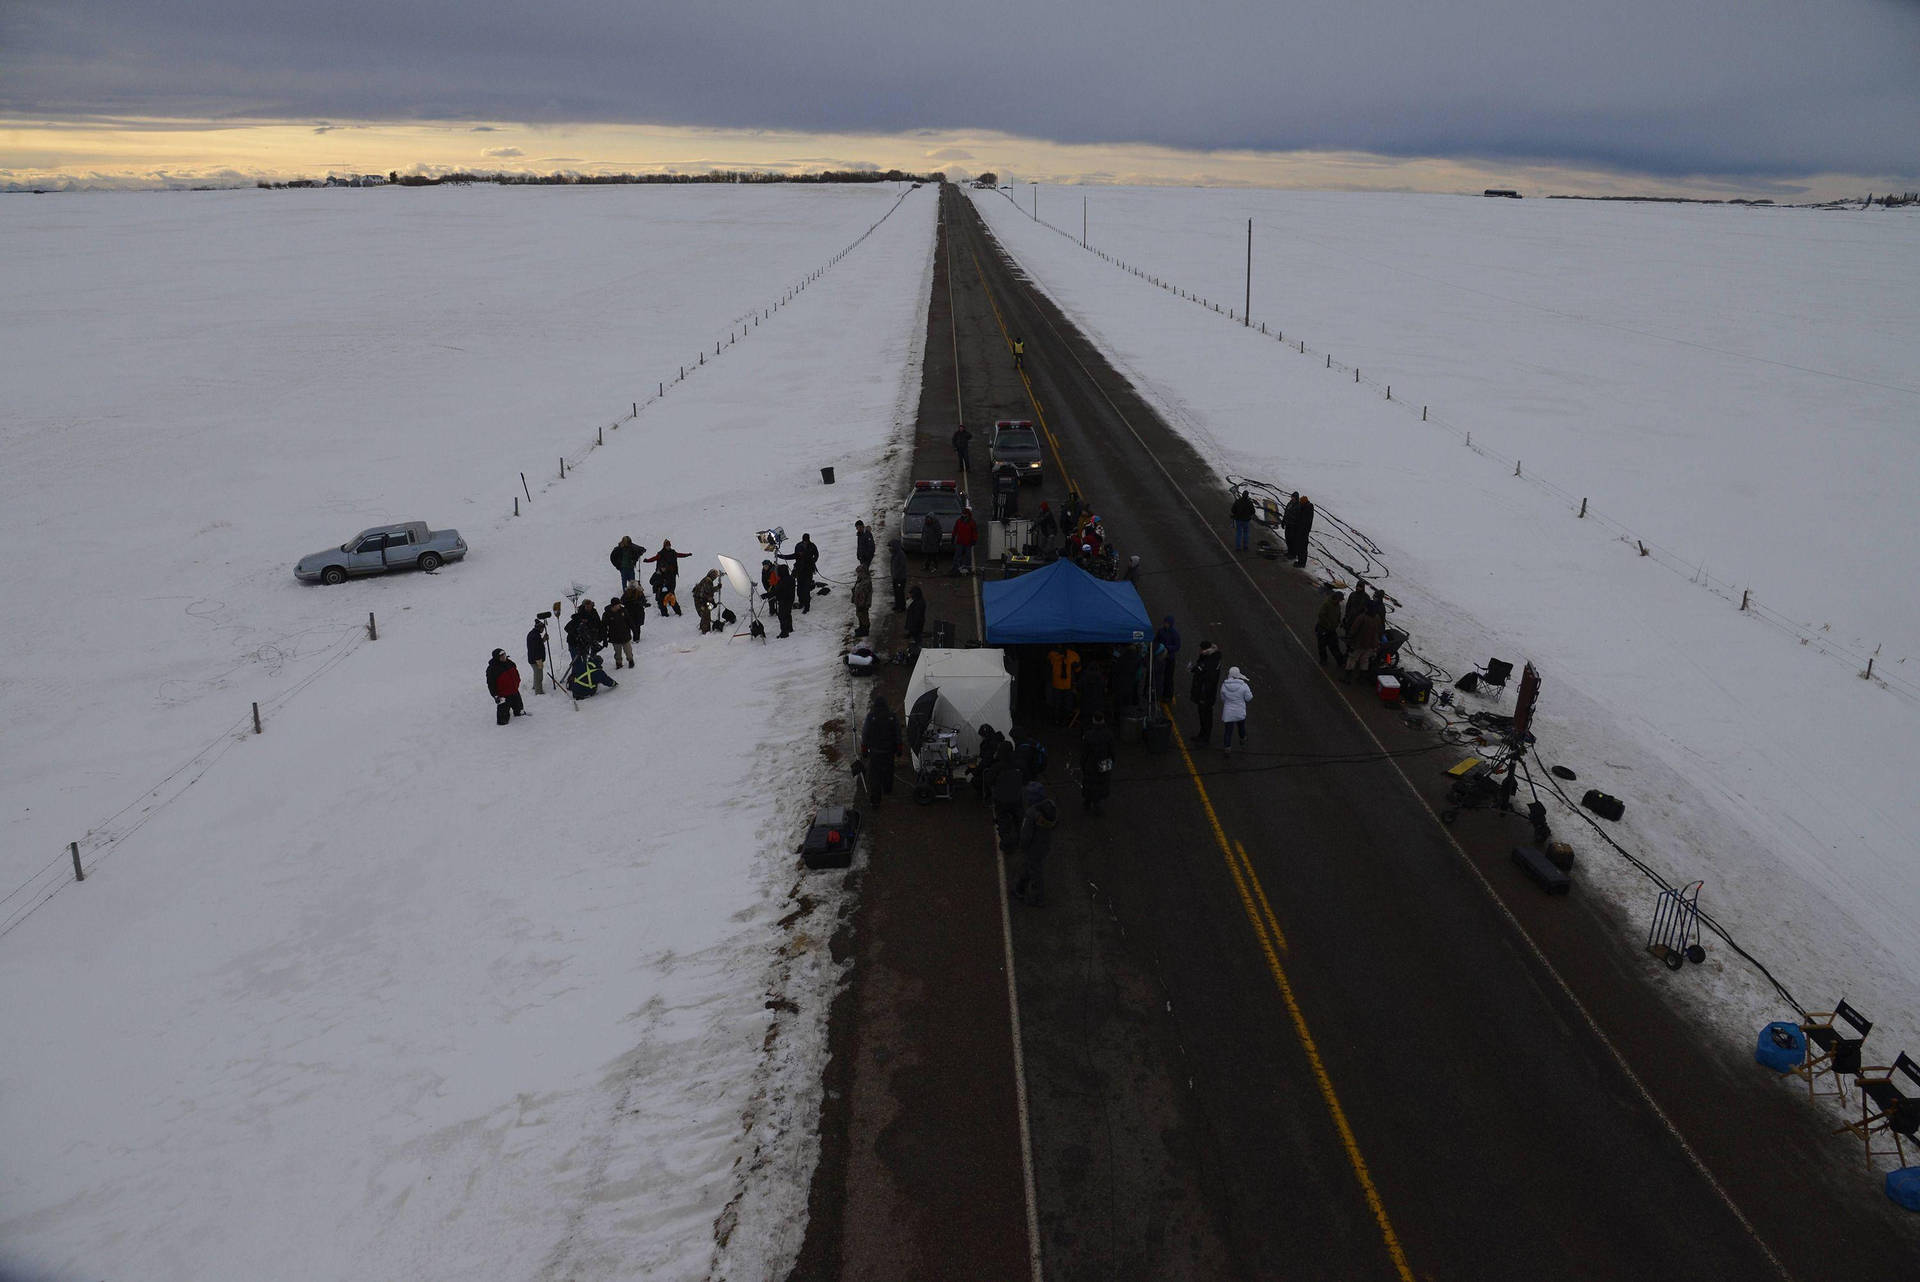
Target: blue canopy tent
(1063, 603)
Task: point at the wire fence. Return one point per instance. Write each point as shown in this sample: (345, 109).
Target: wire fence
(80, 857)
(104, 838)
(1816, 638)
(751, 320)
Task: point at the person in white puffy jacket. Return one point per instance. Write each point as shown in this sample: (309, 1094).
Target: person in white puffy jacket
(1235, 695)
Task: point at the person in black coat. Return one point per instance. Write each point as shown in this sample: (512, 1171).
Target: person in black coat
(666, 579)
(916, 616)
(585, 633)
(1205, 688)
(862, 543)
(897, 569)
(537, 654)
(1242, 514)
(987, 761)
(503, 683)
(1299, 528)
(962, 438)
(1096, 763)
(806, 560)
(619, 633)
(780, 584)
(1008, 786)
(879, 744)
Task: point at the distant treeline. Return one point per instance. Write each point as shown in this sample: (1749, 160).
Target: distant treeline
(397, 179)
(1667, 200)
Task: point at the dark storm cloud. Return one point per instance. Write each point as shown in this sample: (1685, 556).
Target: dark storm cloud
(1663, 86)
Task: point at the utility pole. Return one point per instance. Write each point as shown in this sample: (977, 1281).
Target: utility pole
(1036, 202)
(1083, 222)
(1246, 314)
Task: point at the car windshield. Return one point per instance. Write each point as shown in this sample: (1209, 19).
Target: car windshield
(1017, 437)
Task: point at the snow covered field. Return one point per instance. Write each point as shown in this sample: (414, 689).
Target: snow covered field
(1735, 387)
(388, 991)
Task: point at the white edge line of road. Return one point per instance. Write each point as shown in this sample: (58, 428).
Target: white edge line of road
(1485, 885)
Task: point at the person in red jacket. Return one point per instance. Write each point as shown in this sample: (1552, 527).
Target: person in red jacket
(503, 683)
(965, 535)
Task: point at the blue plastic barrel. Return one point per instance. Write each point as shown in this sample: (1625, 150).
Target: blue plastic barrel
(1903, 1186)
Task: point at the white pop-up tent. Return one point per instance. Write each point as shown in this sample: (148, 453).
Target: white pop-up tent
(973, 690)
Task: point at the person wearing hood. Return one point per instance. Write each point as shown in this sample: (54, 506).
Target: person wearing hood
(1205, 688)
(706, 594)
(962, 438)
(1036, 839)
(780, 583)
(503, 683)
(862, 543)
(879, 744)
(897, 571)
(1236, 692)
(586, 677)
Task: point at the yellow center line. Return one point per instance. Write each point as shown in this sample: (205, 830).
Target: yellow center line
(1273, 923)
(1006, 338)
(1243, 878)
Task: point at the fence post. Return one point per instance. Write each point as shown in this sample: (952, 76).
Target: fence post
(636, 410)
(1356, 373)
(1329, 360)
(1516, 467)
(1642, 547)
(256, 718)
(523, 485)
(1583, 513)
(563, 467)
(1423, 413)
(599, 436)
(1744, 593)
(373, 629)
(1389, 391)
(516, 505)
(79, 874)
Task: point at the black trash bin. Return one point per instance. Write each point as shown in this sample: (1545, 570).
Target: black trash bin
(826, 476)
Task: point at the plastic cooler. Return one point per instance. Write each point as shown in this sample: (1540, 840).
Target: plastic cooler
(1388, 689)
(1781, 1046)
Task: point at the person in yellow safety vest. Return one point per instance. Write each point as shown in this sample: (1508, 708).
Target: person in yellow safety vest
(1065, 662)
(1019, 354)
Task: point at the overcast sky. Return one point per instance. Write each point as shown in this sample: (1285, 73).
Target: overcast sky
(1761, 88)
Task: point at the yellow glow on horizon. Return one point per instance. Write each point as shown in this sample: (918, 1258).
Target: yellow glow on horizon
(161, 153)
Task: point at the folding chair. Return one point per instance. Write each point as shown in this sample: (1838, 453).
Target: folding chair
(1885, 1109)
(1833, 1050)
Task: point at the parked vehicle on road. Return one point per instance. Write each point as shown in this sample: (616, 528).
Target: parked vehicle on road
(1015, 442)
(943, 499)
(406, 546)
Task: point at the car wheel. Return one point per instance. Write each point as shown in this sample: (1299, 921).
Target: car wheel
(429, 561)
(334, 575)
